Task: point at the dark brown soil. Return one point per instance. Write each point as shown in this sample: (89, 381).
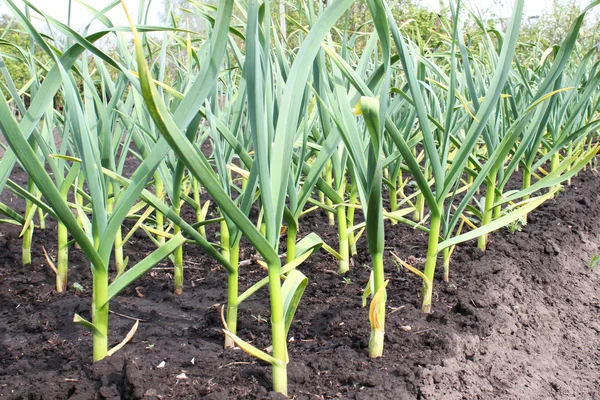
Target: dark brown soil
(521, 321)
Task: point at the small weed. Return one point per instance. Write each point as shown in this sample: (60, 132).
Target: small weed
(594, 262)
(77, 286)
(517, 226)
(259, 318)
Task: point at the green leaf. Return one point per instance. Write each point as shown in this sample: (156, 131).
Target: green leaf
(252, 350)
(79, 320)
(292, 291)
(310, 243)
(501, 222)
(144, 266)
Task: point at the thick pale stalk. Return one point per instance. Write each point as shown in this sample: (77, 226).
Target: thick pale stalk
(419, 212)
(378, 332)
(280, 375)
(526, 181)
(569, 154)
(26, 243)
(232, 295)
(42, 218)
(28, 231)
(497, 209)
(490, 198)
(350, 219)
(118, 247)
(160, 218)
(263, 228)
(261, 222)
(526, 184)
(100, 314)
(232, 308)
(177, 255)
(430, 262)
(344, 247)
(178, 265)
(446, 254)
(79, 198)
(119, 258)
(62, 260)
(470, 177)
(329, 180)
(199, 216)
(278, 330)
(393, 202)
(376, 343)
(292, 234)
(225, 245)
(554, 164)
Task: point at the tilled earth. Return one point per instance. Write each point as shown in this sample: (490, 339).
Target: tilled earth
(520, 321)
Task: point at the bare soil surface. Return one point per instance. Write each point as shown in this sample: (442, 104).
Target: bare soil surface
(520, 321)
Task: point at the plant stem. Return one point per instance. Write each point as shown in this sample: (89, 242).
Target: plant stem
(569, 154)
(490, 198)
(159, 186)
(26, 244)
(260, 224)
(178, 265)
(526, 182)
(342, 222)
(430, 262)
(329, 180)
(376, 342)
(278, 333)
(28, 230)
(225, 245)
(378, 332)
(119, 259)
(393, 201)
(232, 307)
(470, 177)
(554, 164)
(292, 234)
(41, 217)
(418, 214)
(446, 254)
(344, 248)
(79, 198)
(62, 260)
(119, 263)
(350, 219)
(232, 294)
(199, 216)
(100, 313)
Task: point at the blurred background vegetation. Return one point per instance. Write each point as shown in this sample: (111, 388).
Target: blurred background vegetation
(539, 35)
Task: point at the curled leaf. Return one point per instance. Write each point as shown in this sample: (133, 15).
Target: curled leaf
(374, 317)
(126, 340)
